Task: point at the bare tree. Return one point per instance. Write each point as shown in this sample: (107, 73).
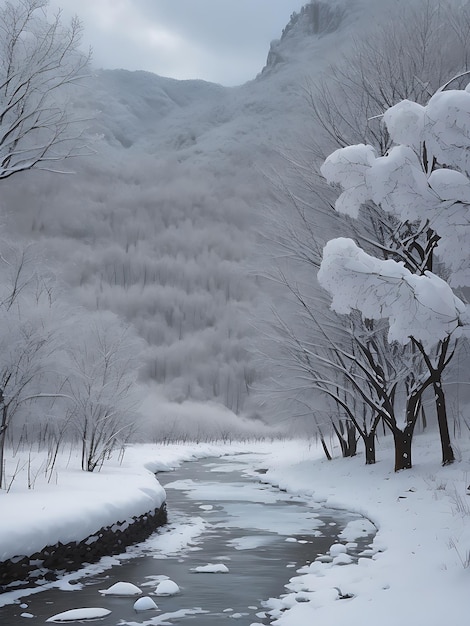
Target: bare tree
(28, 341)
(405, 58)
(101, 384)
(39, 60)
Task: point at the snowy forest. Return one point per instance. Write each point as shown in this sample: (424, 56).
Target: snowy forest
(185, 261)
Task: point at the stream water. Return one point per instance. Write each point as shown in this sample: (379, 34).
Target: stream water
(218, 514)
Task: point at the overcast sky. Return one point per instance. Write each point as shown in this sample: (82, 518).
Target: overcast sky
(224, 41)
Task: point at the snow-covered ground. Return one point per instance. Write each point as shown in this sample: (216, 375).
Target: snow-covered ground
(419, 572)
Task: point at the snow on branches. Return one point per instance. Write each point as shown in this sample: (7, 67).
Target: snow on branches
(423, 307)
(40, 60)
(422, 180)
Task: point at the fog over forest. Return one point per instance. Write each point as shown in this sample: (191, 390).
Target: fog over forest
(177, 219)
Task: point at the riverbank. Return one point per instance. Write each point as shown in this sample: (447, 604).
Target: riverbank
(419, 568)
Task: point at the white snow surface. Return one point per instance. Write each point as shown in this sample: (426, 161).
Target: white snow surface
(211, 568)
(145, 604)
(75, 506)
(420, 306)
(122, 589)
(418, 572)
(400, 183)
(76, 615)
(167, 588)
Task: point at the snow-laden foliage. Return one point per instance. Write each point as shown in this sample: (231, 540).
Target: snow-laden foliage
(424, 178)
(423, 307)
(421, 186)
(447, 128)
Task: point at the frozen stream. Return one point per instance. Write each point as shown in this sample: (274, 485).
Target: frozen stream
(219, 513)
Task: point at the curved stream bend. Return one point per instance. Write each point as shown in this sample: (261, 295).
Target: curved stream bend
(217, 515)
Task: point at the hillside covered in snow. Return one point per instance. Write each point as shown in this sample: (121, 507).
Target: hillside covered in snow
(165, 221)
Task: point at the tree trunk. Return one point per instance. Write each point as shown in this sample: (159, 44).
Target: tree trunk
(402, 440)
(424, 421)
(3, 436)
(352, 439)
(325, 448)
(346, 434)
(369, 445)
(447, 452)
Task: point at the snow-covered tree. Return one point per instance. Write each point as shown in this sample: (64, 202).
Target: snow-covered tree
(423, 183)
(39, 60)
(406, 56)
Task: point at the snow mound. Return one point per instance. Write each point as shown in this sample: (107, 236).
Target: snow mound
(342, 559)
(121, 589)
(167, 588)
(337, 548)
(75, 615)
(211, 568)
(356, 529)
(145, 604)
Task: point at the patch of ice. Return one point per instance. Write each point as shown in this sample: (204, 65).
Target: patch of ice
(282, 521)
(211, 568)
(216, 492)
(176, 538)
(66, 585)
(151, 581)
(250, 542)
(164, 619)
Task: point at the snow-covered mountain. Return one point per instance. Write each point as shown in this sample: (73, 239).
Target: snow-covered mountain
(161, 224)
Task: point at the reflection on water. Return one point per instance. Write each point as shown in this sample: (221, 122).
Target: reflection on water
(217, 515)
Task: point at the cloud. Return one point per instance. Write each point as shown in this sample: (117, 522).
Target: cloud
(216, 40)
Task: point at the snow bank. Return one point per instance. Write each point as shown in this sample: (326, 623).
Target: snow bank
(418, 573)
(416, 570)
(75, 504)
